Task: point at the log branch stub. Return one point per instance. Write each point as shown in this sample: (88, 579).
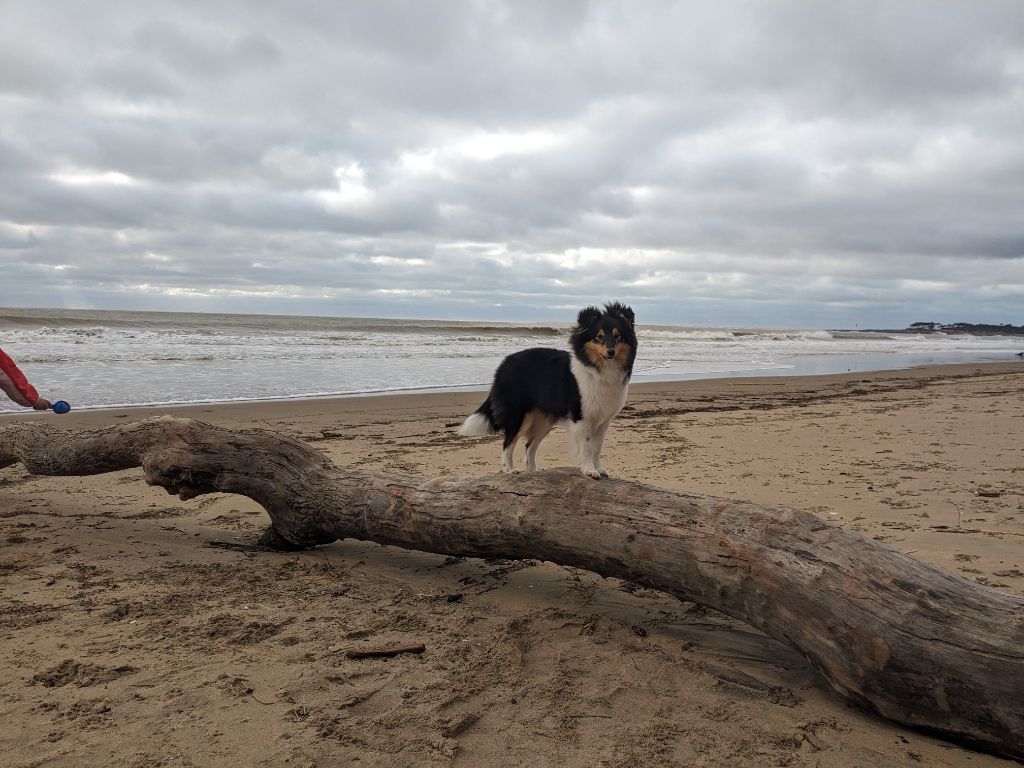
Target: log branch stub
(395, 650)
(909, 641)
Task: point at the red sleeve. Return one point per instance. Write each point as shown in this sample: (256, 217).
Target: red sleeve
(14, 383)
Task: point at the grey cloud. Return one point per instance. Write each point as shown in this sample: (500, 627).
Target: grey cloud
(28, 72)
(814, 160)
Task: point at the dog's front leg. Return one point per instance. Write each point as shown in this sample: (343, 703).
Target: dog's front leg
(598, 445)
(588, 446)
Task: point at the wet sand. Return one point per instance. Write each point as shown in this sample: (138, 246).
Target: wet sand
(140, 630)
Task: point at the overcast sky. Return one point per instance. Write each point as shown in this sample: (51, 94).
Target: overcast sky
(807, 164)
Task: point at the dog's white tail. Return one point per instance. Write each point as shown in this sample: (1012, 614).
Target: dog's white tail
(476, 425)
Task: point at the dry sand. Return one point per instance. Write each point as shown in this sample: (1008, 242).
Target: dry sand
(139, 630)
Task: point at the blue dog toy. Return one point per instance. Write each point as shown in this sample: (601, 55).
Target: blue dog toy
(61, 406)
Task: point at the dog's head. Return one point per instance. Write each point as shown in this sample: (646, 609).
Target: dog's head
(603, 338)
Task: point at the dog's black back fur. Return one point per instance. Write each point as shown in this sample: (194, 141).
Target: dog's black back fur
(537, 379)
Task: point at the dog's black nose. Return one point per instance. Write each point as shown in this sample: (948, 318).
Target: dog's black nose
(610, 353)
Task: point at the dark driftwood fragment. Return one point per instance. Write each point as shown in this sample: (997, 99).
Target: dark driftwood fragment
(366, 653)
(907, 640)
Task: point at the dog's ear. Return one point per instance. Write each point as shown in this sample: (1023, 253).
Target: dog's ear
(621, 310)
(587, 316)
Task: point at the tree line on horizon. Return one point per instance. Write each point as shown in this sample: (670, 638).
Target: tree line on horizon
(929, 326)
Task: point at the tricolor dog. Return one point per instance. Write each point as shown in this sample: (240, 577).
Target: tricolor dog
(539, 388)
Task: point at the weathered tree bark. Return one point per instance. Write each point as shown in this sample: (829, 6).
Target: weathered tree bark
(907, 640)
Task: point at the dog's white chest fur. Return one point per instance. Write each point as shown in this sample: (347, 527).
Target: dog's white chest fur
(602, 390)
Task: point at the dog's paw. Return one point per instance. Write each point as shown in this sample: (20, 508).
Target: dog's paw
(594, 473)
(510, 471)
(604, 472)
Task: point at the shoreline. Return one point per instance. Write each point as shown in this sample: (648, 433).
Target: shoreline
(118, 359)
(150, 629)
(471, 390)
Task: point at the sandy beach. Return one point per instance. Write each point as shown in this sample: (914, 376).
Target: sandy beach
(140, 630)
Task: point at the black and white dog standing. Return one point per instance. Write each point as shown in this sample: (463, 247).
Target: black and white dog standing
(539, 388)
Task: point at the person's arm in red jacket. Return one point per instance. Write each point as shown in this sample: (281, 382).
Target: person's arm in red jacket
(14, 383)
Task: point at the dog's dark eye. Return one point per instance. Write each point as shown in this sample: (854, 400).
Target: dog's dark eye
(600, 337)
(615, 334)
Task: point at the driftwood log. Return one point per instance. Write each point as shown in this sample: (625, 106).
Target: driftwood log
(909, 641)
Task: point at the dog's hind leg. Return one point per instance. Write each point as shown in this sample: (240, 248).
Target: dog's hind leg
(540, 426)
(513, 431)
(507, 465)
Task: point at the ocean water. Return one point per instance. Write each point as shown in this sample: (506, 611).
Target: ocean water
(99, 359)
